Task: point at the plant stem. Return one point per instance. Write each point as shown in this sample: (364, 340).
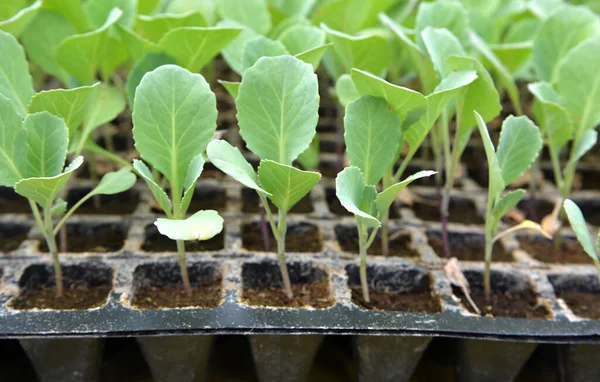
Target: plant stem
(263, 229)
(282, 229)
(445, 197)
(535, 168)
(362, 248)
(385, 217)
(340, 136)
(48, 233)
(183, 265)
(487, 287)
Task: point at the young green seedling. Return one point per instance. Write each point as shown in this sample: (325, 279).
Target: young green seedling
(368, 207)
(34, 152)
(581, 231)
(277, 105)
(174, 118)
(520, 144)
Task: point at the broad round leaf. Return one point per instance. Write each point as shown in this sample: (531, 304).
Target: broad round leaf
(47, 141)
(202, 225)
(520, 144)
(16, 84)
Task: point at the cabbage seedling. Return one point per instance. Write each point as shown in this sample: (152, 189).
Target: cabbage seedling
(277, 105)
(368, 207)
(581, 231)
(174, 118)
(34, 151)
(520, 144)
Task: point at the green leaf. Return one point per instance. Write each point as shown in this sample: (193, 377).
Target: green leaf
(174, 118)
(520, 144)
(202, 225)
(286, 184)
(98, 11)
(232, 88)
(69, 104)
(558, 35)
(232, 53)
(309, 159)
(193, 47)
(13, 145)
(496, 181)
(42, 37)
(136, 45)
(47, 141)
(208, 8)
(441, 44)
(587, 141)
(345, 90)
(83, 55)
(505, 78)
(353, 193)
(71, 10)
(504, 205)
(191, 177)
(372, 136)
(147, 64)
(580, 228)
(59, 208)
(578, 83)
(44, 190)
(555, 122)
(19, 22)
(153, 28)
(15, 81)
(261, 47)
(251, 13)
(159, 194)
(300, 37)
(293, 7)
(513, 56)
(115, 182)
(385, 199)
(450, 15)
(351, 16)
(367, 52)
(105, 105)
(313, 56)
(278, 105)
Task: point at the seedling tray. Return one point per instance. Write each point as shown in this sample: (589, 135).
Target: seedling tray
(227, 258)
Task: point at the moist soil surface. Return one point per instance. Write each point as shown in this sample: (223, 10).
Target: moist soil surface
(76, 297)
(315, 295)
(586, 305)
(299, 238)
(110, 241)
(108, 205)
(461, 211)
(516, 304)
(400, 246)
(171, 296)
(467, 251)
(569, 251)
(12, 203)
(417, 302)
(11, 240)
(251, 204)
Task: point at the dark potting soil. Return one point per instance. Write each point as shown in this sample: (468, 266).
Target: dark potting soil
(172, 296)
(461, 211)
(535, 209)
(204, 198)
(119, 204)
(301, 237)
(315, 295)
(515, 303)
(542, 249)
(329, 169)
(418, 302)
(586, 305)
(103, 238)
(155, 242)
(251, 204)
(77, 297)
(467, 247)
(12, 235)
(400, 246)
(12, 203)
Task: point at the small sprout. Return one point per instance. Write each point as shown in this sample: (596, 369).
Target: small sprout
(583, 234)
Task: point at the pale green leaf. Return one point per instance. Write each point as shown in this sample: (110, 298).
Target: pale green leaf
(159, 194)
(42, 37)
(13, 145)
(309, 159)
(232, 53)
(587, 141)
(202, 225)
(345, 90)
(15, 80)
(578, 84)
(368, 52)
(372, 136)
(59, 208)
(233, 88)
(229, 160)
(496, 181)
(555, 122)
(293, 7)
(69, 104)
(10, 8)
(286, 184)
(519, 146)
(115, 182)
(194, 47)
(580, 228)
(313, 56)
(351, 16)
(174, 118)
(504, 205)
(191, 177)
(208, 8)
(385, 199)
(47, 141)
(136, 45)
(71, 10)
(261, 47)
(147, 64)
(44, 190)
(251, 13)
(441, 44)
(278, 105)
(352, 192)
(98, 11)
(450, 15)
(105, 105)
(153, 28)
(300, 38)
(83, 55)
(558, 35)
(16, 24)
(513, 56)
